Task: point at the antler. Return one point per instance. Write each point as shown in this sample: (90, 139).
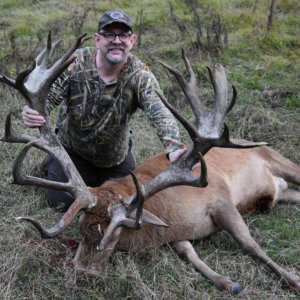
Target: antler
(34, 84)
(209, 125)
(205, 134)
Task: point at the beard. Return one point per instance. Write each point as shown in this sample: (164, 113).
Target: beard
(115, 59)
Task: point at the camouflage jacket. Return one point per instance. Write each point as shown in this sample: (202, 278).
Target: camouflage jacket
(96, 127)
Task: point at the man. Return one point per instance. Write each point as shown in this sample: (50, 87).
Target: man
(99, 92)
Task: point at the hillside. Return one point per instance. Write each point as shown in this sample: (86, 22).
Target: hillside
(261, 55)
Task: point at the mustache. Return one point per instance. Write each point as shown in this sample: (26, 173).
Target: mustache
(116, 47)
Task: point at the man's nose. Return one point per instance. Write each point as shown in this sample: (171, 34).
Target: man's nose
(117, 40)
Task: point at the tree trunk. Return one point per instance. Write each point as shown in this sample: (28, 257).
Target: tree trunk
(270, 17)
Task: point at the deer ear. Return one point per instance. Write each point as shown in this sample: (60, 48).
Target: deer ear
(148, 218)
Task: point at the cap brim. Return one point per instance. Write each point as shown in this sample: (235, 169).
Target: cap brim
(112, 22)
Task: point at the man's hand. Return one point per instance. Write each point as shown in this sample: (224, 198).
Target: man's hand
(173, 156)
(32, 118)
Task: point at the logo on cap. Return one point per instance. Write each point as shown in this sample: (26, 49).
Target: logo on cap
(116, 15)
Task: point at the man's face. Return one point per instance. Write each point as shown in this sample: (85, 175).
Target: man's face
(115, 42)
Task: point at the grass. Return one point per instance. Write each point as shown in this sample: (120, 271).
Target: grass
(265, 70)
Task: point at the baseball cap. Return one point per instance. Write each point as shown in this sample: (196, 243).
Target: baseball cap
(114, 16)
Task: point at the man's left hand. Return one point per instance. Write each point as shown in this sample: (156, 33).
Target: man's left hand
(173, 156)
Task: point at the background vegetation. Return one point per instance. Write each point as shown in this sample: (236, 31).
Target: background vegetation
(261, 54)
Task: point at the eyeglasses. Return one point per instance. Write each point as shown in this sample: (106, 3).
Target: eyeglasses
(109, 36)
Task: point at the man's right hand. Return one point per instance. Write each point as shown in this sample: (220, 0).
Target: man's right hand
(32, 118)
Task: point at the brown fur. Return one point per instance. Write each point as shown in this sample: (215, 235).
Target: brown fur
(238, 178)
(182, 207)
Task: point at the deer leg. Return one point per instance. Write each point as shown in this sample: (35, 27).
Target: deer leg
(186, 250)
(289, 196)
(227, 217)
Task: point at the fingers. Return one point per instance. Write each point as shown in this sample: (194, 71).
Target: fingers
(173, 156)
(32, 118)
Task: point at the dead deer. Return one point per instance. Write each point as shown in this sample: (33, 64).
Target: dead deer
(161, 202)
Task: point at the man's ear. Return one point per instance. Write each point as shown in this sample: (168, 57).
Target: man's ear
(133, 39)
(97, 37)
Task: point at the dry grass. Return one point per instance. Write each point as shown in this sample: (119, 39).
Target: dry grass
(31, 268)
(36, 269)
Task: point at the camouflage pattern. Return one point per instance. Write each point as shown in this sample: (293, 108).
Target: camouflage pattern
(96, 127)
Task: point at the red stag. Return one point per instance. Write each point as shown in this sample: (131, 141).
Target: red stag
(163, 201)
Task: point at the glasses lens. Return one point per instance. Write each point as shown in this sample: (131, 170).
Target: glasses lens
(124, 37)
(109, 36)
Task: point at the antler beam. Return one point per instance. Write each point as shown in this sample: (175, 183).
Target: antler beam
(34, 84)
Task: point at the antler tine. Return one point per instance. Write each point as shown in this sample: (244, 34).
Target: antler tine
(61, 225)
(30, 180)
(193, 79)
(7, 80)
(233, 100)
(46, 53)
(200, 144)
(11, 136)
(193, 133)
(80, 40)
(138, 201)
(193, 84)
(121, 213)
(42, 76)
(18, 83)
(118, 211)
(81, 202)
(65, 60)
(45, 234)
(188, 88)
(179, 173)
(61, 64)
(189, 92)
(221, 106)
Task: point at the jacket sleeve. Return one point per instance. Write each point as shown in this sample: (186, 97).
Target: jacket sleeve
(58, 91)
(159, 115)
